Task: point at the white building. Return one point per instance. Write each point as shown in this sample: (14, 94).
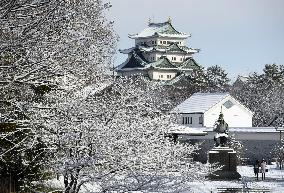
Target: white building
(160, 52)
(203, 109)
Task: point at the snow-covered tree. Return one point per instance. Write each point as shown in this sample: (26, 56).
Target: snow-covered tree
(278, 153)
(95, 130)
(45, 46)
(239, 148)
(217, 79)
(263, 93)
(115, 138)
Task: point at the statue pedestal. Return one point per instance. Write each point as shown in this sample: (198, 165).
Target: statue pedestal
(227, 158)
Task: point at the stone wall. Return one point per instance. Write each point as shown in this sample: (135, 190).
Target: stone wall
(255, 149)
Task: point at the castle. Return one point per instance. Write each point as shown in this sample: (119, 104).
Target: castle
(160, 52)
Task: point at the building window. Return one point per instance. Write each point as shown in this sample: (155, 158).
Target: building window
(169, 76)
(201, 120)
(161, 76)
(164, 42)
(174, 58)
(153, 42)
(228, 104)
(161, 42)
(180, 59)
(187, 120)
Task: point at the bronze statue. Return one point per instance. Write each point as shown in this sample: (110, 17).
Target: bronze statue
(222, 131)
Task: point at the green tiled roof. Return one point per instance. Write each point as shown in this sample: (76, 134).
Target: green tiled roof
(189, 63)
(174, 48)
(163, 62)
(165, 28)
(136, 60)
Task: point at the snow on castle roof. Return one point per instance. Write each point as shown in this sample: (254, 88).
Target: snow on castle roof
(159, 29)
(160, 48)
(200, 102)
(162, 63)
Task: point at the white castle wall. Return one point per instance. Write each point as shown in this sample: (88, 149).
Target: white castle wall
(162, 74)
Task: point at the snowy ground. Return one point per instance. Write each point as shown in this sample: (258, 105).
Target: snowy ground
(274, 181)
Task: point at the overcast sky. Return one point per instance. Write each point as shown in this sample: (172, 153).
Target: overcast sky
(239, 35)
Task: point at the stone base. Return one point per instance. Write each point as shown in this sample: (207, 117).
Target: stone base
(225, 175)
(226, 157)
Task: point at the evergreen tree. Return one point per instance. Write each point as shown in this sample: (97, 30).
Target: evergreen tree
(217, 79)
(263, 93)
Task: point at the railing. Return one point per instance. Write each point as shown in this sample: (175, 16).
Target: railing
(242, 190)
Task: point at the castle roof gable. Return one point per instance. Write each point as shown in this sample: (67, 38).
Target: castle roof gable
(164, 29)
(162, 63)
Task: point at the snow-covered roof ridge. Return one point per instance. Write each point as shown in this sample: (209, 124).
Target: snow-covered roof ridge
(136, 60)
(200, 102)
(164, 29)
(189, 64)
(243, 78)
(162, 63)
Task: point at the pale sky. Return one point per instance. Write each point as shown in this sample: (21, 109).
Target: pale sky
(239, 35)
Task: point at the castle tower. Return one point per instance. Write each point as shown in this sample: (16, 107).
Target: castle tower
(160, 52)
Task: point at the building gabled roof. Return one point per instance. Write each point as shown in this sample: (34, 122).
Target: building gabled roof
(175, 79)
(174, 48)
(127, 51)
(189, 64)
(200, 102)
(190, 50)
(162, 63)
(136, 60)
(164, 29)
(243, 79)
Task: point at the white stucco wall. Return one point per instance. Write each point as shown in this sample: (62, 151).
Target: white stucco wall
(160, 41)
(156, 74)
(148, 41)
(236, 116)
(164, 41)
(154, 56)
